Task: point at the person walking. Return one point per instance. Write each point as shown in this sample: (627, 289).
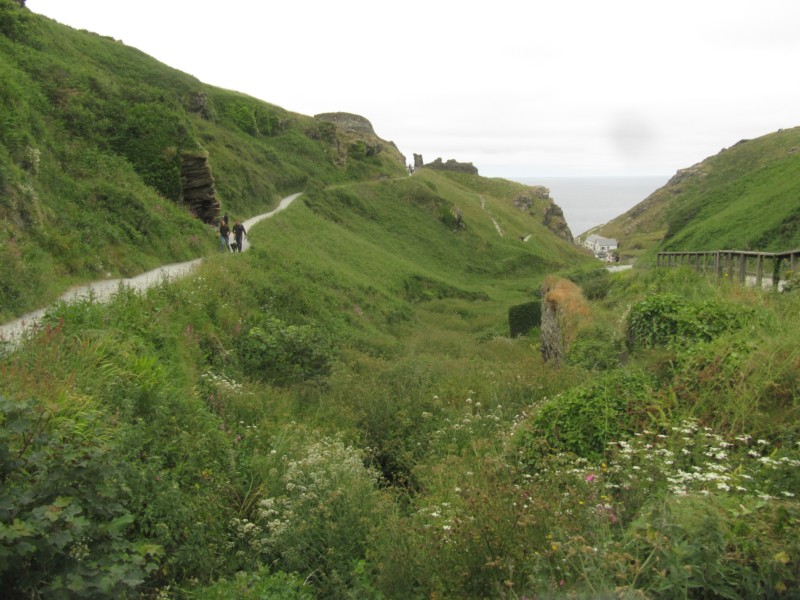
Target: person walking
(224, 236)
(239, 232)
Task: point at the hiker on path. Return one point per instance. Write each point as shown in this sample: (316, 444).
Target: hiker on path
(224, 235)
(225, 218)
(238, 232)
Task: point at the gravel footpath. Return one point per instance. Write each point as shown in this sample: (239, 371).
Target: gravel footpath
(103, 290)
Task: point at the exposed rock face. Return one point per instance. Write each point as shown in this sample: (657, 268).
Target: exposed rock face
(452, 165)
(524, 203)
(459, 217)
(418, 163)
(199, 191)
(197, 103)
(554, 220)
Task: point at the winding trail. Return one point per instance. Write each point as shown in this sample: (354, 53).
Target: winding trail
(103, 290)
(496, 224)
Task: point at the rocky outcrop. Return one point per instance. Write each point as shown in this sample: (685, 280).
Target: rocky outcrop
(349, 123)
(418, 162)
(199, 191)
(353, 137)
(684, 174)
(564, 314)
(452, 165)
(555, 221)
(552, 215)
(197, 104)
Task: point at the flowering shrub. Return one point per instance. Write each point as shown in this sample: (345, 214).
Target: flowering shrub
(688, 510)
(673, 512)
(318, 522)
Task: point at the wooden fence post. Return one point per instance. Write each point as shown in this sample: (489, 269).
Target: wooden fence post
(742, 267)
(759, 269)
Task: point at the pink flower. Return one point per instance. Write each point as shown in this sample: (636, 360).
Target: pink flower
(590, 478)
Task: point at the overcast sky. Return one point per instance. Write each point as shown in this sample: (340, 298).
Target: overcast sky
(520, 88)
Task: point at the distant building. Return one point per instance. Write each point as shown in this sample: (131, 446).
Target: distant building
(600, 246)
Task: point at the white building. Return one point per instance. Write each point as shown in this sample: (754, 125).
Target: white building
(600, 245)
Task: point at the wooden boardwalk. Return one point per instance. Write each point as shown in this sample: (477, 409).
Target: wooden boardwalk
(736, 265)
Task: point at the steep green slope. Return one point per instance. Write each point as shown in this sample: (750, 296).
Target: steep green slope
(94, 144)
(415, 221)
(747, 197)
(354, 309)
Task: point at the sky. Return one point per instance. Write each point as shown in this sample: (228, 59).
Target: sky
(519, 88)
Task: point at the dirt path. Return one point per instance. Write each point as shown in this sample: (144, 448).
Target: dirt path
(103, 290)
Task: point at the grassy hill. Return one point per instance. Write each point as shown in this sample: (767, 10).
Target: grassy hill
(341, 412)
(93, 139)
(746, 197)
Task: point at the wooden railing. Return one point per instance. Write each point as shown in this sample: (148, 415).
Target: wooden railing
(734, 264)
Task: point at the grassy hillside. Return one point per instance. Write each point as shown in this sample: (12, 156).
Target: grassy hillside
(341, 412)
(744, 198)
(354, 328)
(91, 145)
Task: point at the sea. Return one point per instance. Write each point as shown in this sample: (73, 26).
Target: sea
(591, 201)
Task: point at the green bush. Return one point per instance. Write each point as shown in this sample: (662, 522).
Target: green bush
(357, 150)
(273, 351)
(584, 274)
(583, 420)
(247, 114)
(66, 526)
(524, 317)
(14, 21)
(597, 348)
(655, 320)
(666, 318)
(598, 287)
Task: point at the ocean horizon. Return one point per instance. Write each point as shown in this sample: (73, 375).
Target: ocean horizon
(591, 201)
